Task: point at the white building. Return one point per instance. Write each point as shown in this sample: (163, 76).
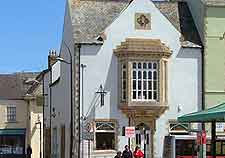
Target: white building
(146, 57)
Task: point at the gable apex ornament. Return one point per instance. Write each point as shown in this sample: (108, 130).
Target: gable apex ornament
(142, 21)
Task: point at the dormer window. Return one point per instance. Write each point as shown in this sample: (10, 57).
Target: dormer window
(145, 81)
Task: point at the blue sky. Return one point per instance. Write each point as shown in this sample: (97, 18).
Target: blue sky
(28, 29)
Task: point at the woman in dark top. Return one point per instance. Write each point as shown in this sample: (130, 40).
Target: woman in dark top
(29, 151)
(127, 153)
(118, 155)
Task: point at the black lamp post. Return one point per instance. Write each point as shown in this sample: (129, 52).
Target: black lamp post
(82, 119)
(39, 122)
(71, 93)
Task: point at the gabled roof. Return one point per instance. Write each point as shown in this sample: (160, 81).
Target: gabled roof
(91, 17)
(15, 86)
(38, 82)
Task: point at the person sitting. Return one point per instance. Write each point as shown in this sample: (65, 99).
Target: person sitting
(138, 153)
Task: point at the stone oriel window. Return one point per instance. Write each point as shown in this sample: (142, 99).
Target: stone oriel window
(142, 72)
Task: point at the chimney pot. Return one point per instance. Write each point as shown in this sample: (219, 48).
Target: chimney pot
(52, 57)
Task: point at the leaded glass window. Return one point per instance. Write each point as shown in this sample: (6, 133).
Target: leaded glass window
(145, 80)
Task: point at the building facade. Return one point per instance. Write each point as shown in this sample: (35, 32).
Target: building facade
(209, 17)
(134, 64)
(208, 14)
(21, 110)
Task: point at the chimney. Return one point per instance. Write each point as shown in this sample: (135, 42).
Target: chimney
(75, 3)
(52, 57)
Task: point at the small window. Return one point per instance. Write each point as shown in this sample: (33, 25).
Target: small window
(39, 100)
(11, 114)
(105, 135)
(124, 82)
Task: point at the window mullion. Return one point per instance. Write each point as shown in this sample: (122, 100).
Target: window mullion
(142, 82)
(136, 80)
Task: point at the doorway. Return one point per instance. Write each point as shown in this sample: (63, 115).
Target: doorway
(143, 139)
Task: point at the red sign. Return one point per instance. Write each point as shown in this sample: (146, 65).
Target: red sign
(130, 132)
(203, 137)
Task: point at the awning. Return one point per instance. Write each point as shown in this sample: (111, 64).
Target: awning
(12, 132)
(216, 113)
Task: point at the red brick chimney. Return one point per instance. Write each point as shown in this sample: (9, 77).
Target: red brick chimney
(52, 57)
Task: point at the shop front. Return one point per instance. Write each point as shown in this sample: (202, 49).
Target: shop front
(12, 143)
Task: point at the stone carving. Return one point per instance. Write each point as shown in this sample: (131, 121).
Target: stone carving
(142, 21)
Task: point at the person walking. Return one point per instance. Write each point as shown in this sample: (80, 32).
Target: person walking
(138, 153)
(29, 151)
(127, 153)
(118, 155)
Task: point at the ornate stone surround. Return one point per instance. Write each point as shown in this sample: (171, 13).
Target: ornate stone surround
(134, 49)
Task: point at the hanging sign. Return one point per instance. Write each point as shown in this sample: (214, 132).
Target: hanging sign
(130, 132)
(219, 127)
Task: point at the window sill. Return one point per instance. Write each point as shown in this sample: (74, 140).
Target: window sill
(11, 122)
(104, 152)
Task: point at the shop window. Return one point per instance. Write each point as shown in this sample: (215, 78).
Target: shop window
(10, 144)
(186, 148)
(220, 148)
(11, 114)
(55, 143)
(105, 135)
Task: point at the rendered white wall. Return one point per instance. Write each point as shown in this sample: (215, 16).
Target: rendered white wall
(61, 91)
(183, 69)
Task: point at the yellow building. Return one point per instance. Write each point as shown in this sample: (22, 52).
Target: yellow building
(20, 114)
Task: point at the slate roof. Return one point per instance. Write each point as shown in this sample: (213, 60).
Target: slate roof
(14, 86)
(91, 17)
(214, 2)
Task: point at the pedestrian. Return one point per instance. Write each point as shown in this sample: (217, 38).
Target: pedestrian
(138, 153)
(118, 155)
(127, 153)
(29, 151)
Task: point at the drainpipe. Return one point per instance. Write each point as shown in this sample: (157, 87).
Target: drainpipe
(203, 97)
(203, 82)
(50, 110)
(79, 139)
(43, 110)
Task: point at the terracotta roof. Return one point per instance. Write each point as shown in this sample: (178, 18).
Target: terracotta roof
(91, 17)
(14, 86)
